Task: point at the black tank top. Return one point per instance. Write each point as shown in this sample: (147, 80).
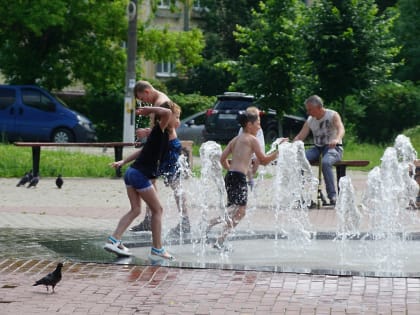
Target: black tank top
(153, 151)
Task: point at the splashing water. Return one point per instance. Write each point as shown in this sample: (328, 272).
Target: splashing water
(371, 236)
(211, 181)
(349, 216)
(211, 170)
(293, 188)
(390, 190)
(183, 172)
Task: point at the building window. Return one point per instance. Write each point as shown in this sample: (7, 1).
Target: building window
(165, 69)
(163, 4)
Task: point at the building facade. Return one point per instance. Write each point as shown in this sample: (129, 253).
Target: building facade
(182, 18)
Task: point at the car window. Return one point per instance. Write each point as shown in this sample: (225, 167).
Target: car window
(200, 119)
(36, 99)
(232, 104)
(7, 97)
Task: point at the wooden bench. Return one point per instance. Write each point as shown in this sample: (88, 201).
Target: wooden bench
(342, 165)
(118, 150)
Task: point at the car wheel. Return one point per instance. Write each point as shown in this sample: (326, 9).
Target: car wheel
(270, 135)
(62, 135)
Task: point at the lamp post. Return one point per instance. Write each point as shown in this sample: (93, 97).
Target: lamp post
(130, 79)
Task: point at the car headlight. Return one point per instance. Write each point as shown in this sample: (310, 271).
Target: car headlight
(84, 122)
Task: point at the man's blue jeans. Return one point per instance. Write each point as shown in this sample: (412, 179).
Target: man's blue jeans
(329, 157)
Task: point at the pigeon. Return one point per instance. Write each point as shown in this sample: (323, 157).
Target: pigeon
(51, 279)
(59, 181)
(25, 179)
(33, 182)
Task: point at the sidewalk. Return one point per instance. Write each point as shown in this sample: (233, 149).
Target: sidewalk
(95, 205)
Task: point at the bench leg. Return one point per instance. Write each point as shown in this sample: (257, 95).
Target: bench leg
(118, 154)
(341, 171)
(36, 155)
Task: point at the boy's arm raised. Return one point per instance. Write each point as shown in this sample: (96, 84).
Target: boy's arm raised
(163, 113)
(267, 158)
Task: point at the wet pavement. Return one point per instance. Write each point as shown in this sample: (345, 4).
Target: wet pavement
(36, 233)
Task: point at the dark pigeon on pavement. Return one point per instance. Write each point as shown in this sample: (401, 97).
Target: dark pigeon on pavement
(33, 182)
(25, 179)
(59, 181)
(51, 279)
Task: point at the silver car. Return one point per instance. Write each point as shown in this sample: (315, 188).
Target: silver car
(191, 128)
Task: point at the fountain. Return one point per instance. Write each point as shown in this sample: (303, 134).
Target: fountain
(376, 237)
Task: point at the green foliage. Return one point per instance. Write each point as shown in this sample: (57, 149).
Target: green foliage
(408, 33)
(271, 49)
(390, 108)
(181, 48)
(218, 21)
(53, 43)
(414, 135)
(106, 111)
(350, 46)
(384, 4)
(193, 103)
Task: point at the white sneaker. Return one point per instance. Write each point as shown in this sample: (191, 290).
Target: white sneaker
(117, 248)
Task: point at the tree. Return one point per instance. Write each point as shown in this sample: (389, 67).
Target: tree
(181, 48)
(384, 4)
(56, 43)
(270, 61)
(408, 34)
(218, 22)
(53, 43)
(350, 46)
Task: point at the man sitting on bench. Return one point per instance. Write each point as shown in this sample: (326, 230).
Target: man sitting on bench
(328, 131)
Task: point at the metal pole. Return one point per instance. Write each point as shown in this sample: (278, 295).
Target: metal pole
(130, 81)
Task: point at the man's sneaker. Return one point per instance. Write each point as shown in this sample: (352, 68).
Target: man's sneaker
(160, 253)
(144, 226)
(184, 226)
(116, 247)
(333, 201)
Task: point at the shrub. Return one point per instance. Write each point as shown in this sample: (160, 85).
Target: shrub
(389, 109)
(193, 103)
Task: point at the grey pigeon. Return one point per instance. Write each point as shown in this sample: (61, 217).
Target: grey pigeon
(59, 181)
(25, 179)
(33, 182)
(51, 279)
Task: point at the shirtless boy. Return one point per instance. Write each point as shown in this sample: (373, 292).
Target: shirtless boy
(242, 148)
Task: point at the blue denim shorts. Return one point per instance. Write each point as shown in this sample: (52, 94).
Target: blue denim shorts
(134, 178)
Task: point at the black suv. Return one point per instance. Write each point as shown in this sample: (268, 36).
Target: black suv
(222, 124)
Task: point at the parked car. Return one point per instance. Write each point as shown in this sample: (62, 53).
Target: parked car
(191, 127)
(222, 120)
(30, 113)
